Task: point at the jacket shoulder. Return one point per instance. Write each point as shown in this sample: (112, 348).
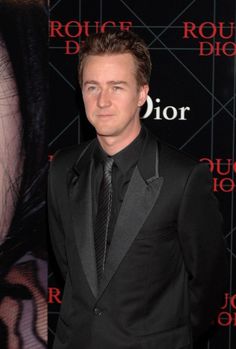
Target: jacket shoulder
(175, 157)
(174, 164)
(64, 158)
(170, 156)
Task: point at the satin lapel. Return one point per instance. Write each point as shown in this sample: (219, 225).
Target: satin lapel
(140, 198)
(81, 205)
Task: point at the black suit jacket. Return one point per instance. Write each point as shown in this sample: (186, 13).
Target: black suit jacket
(164, 275)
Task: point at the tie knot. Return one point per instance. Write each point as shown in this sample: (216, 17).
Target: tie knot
(108, 164)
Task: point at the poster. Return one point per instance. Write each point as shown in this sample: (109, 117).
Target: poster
(23, 172)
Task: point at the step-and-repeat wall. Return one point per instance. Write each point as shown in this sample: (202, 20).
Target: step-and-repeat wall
(191, 103)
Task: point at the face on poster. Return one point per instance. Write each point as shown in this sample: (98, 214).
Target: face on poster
(11, 157)
(23, 271)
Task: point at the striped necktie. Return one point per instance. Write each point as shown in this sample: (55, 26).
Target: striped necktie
(103, 217)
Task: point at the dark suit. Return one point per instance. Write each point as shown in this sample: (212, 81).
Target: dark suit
(164, 274)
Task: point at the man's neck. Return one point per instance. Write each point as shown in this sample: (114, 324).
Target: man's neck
(112, 145)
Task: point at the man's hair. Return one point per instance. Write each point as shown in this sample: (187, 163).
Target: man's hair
(116, 42)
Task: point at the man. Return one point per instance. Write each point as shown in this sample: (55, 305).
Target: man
(134, 225)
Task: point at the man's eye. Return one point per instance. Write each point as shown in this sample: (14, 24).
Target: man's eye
(91, 88)
(117, 88)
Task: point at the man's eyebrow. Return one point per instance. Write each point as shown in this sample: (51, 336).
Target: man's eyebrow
(117, 82)
(112, 82)
(90, 82)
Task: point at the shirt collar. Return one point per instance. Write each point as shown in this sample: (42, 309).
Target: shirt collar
(127, 157)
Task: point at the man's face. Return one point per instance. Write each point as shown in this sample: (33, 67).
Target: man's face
(111, 96)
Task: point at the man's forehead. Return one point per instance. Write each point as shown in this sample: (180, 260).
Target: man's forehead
(109, 69)
(110, 57)
(115, 64)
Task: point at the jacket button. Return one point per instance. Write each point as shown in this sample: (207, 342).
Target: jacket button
(97, 311)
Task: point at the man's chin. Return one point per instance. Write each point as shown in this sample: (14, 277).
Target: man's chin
(102, 132)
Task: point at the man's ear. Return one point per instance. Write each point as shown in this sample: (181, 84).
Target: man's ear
(143, 93)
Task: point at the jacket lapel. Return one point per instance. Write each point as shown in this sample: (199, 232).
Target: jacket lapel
(80, 193)
(141, 195)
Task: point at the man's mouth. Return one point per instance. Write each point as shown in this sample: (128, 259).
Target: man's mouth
(104, 115)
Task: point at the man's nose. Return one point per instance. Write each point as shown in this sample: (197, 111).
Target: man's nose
(103, 100)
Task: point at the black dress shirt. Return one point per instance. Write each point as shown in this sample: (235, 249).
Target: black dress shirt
(123, 166)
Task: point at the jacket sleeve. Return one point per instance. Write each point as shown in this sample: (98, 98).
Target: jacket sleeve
(54, 219)
(200, 234)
